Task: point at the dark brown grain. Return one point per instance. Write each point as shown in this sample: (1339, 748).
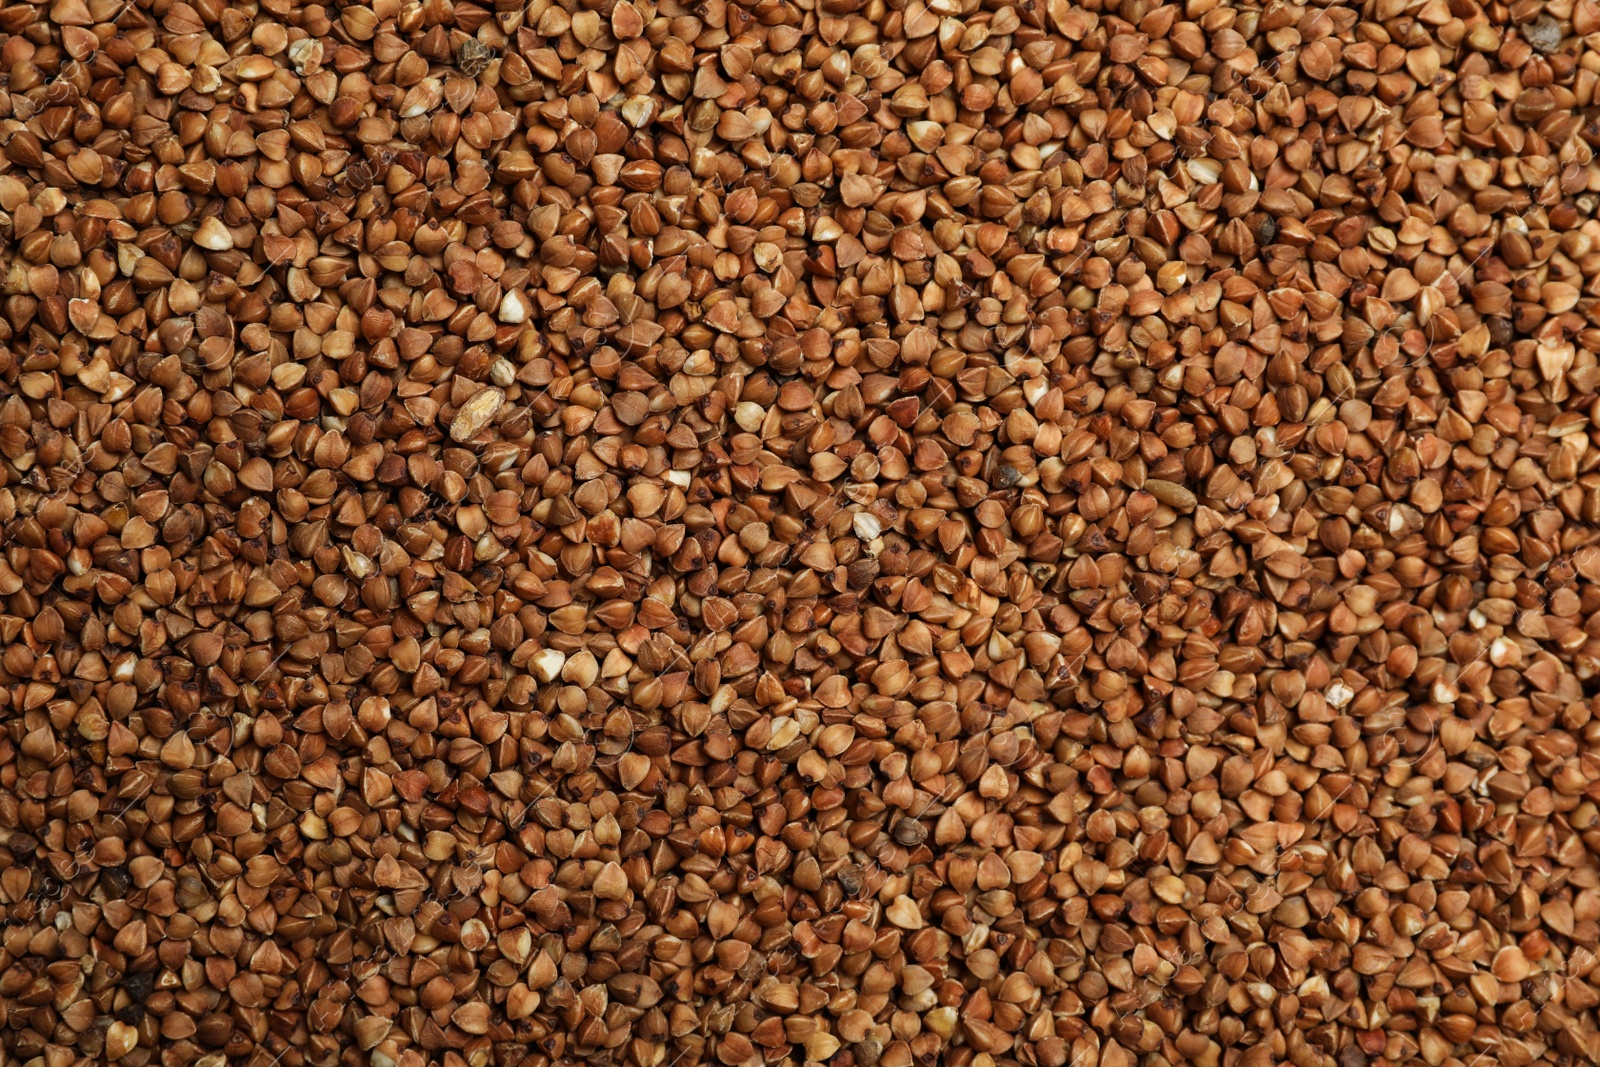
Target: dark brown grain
(869, 533)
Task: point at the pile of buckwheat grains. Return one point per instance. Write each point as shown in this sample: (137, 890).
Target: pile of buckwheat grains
(877, 533)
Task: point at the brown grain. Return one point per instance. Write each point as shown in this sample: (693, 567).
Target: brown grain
(863, 533)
